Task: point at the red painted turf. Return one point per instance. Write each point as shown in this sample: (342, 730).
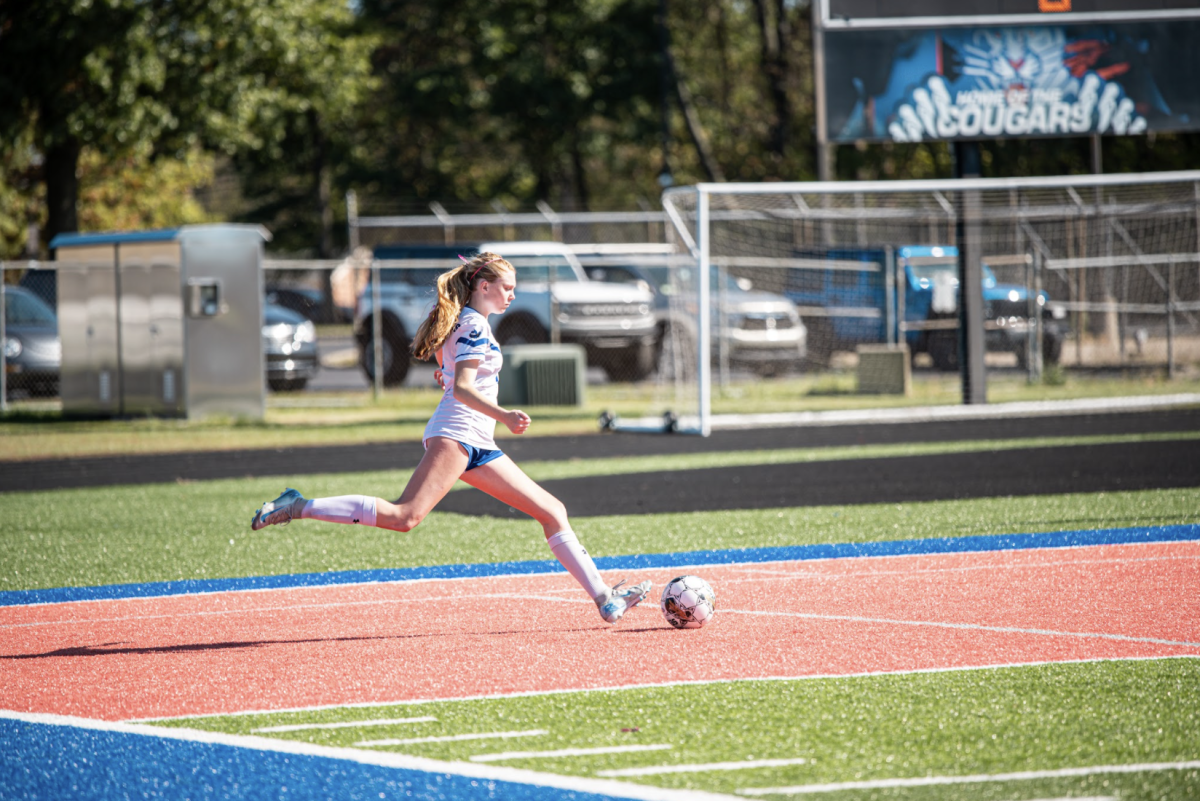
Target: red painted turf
(227, 652)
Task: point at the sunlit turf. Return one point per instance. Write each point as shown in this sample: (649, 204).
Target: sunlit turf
(111, 535)
(851, 729)
(36, 431)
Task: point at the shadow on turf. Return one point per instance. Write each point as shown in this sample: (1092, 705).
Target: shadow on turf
(105, 650)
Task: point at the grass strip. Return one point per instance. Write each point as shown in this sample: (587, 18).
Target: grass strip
(166, 532)
(324, 418)
(852, 729)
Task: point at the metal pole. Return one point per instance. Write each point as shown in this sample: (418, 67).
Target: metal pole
(352, 219)
(1171, 318)
(970, 278)
(824, 150)
(722, 329)
(4, 345)
(377, 330)
(1033, 315)
(705, 343)
(889, 294)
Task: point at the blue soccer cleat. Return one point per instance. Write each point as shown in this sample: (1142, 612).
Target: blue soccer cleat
(280, 511)
(620, 601)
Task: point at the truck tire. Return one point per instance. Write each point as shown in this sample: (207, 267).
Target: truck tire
(394, 356)
(943, 350)
(631, 364)
(522, 330)
(820, 342)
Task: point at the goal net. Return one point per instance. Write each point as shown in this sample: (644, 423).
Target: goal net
(793, 298)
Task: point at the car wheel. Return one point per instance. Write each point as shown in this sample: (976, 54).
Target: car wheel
(393, 355)
(676, 353)
(820, 342)
(631, 364)
(522, 331)
(943, 350)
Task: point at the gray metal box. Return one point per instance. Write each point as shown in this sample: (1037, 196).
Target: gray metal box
(165, 323)
(543, 375)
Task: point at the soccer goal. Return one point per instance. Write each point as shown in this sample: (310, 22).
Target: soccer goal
(785, 298)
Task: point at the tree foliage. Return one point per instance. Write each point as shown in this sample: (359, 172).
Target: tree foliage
(122, 105)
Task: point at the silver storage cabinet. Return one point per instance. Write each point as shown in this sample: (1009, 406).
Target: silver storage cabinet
(164, 323)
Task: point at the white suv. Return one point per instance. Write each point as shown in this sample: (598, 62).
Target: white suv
(555, 302)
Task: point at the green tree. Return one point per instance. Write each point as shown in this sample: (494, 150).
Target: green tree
(516, 100)
(159, 77)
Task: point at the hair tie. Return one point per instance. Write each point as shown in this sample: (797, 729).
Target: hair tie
(480, 267)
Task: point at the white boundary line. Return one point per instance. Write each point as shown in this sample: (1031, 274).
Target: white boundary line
(453, 738)
(665, 684)
(659, 770)
(487, 773)
(928, 781)
(569, 752)
(967, 626)
(351, 724)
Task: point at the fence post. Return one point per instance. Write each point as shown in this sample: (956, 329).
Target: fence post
(352, 219)
(889, 293)
(446, 220)
(377, 330)
(4, 345)
(1171, 318)
(704, 344)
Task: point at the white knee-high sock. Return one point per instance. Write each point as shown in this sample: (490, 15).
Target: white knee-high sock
(342, 509)
(567, 550)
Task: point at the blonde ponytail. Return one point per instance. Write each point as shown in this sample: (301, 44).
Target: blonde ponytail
(454, 288)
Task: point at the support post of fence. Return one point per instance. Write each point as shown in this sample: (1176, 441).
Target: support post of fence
(446, 220)
(889, 293)
(352, 219)
(4, 345)
(704, 344)
(377, 331)
(970, 278)
(1171, 318)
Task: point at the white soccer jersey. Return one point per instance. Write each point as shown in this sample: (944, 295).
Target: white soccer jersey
(471, 338)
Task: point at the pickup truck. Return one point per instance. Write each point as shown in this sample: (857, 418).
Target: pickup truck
(844, 306)
(761, 331)
(555, 302)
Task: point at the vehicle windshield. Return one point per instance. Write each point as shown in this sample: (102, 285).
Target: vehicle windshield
(540, 269)
(931, 272)
(23, 309)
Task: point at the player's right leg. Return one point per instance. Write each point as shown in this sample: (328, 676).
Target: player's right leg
(505, 481)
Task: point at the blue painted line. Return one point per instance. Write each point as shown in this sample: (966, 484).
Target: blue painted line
(846, 550)
(44, 761)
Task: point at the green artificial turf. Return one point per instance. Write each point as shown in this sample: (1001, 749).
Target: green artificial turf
(850, 729)
(112, 535)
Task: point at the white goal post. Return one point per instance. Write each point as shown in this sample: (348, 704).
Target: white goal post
(1091, 271)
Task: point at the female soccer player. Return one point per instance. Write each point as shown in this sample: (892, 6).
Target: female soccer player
(459, 437)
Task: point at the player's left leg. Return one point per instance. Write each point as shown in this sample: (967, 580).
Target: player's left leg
(506, 482)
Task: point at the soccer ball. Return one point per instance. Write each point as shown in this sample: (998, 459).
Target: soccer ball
(688, 602)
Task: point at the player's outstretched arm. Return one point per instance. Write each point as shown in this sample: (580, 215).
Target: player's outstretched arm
(466, 394)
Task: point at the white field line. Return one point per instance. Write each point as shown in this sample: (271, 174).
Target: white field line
(965, 626)
(929, 781)
(790, 574)
(783, 574)
(384, 759)
(748, 764)
(354, 724)
(454, 738)
(664, 684)
(567, 752)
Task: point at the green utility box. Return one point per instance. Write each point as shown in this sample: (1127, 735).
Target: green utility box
(884, 370)
(542, 375)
